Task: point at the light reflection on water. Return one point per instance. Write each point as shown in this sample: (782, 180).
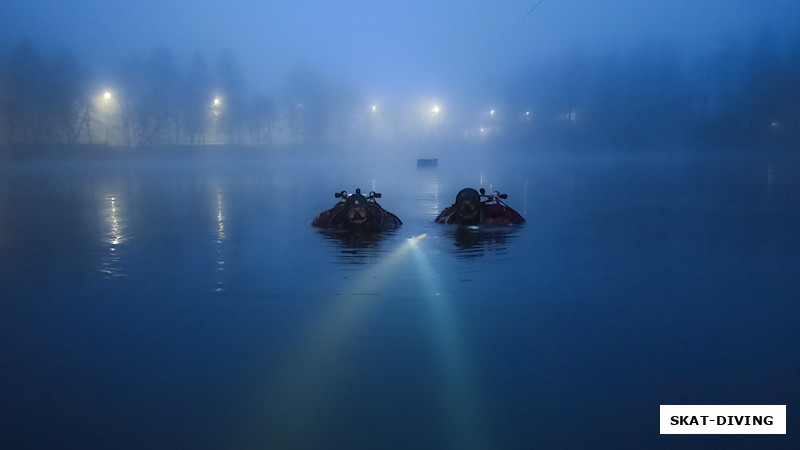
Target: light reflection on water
(115, 239)
(220, 243)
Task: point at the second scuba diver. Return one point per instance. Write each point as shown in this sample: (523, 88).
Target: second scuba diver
(473, 208)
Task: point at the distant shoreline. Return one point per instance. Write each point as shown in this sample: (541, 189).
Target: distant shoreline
(409, 149)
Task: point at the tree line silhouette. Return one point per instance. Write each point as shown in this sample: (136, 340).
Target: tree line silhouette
(153, 101)
(744, 93)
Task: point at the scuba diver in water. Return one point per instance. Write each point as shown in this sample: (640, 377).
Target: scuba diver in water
(473, 208)
(355, 212)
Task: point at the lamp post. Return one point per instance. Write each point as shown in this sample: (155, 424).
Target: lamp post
(106, 106)
(216, 113)
(434, 127)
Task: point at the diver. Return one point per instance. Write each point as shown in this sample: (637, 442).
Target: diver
(356, 212)
(473, 208)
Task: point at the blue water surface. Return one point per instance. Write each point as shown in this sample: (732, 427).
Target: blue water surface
(184, 301)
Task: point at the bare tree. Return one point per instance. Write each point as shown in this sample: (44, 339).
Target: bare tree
(261, 120)
(196, 100)
(24, 104)
(306, 90)
(231, 91)
(68, 99)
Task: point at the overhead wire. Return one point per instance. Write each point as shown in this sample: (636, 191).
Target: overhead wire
(511, 30)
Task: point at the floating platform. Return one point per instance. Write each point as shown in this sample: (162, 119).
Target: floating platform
(427, 162)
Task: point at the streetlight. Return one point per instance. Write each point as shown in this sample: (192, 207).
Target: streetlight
(106, 107)
(216, 106)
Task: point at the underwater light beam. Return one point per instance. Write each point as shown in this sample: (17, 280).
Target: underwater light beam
(301, 391)
(465, 423)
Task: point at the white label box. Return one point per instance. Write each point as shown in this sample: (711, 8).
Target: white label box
(723, 419)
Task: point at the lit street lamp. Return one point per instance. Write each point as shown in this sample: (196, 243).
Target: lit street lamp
(216, 107)
(106, 107)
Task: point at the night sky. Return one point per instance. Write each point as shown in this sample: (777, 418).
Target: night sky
(404, 47)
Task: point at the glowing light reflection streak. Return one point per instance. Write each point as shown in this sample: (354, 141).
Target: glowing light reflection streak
(435, 210)
(220, 240)
(111, 262)
(115, 234)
